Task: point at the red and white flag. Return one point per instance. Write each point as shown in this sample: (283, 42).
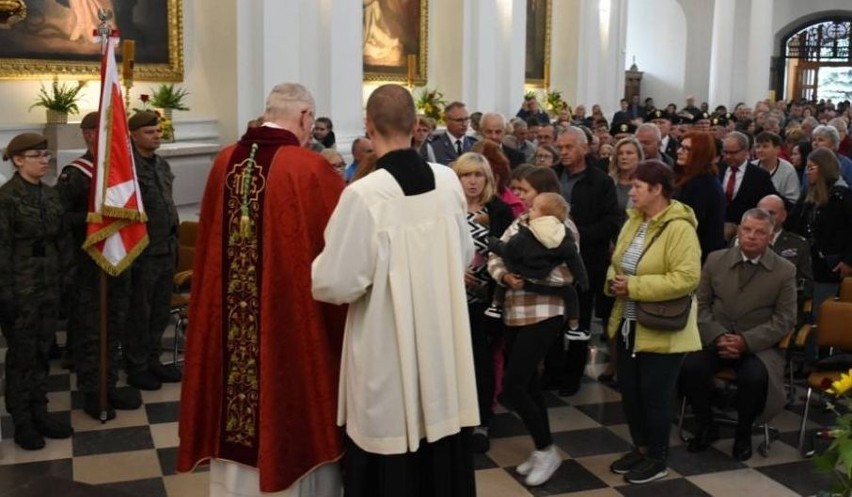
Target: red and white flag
(116, 232)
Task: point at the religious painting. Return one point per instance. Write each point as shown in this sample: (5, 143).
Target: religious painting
(537, 63)
(55, 38)
(395, 40)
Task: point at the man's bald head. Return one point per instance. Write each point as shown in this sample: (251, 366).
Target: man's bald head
(390, 109)
(774, 205)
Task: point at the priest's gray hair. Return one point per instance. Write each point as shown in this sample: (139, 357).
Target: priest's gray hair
(288, 100)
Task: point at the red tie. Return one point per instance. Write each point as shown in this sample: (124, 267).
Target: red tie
(732, 181)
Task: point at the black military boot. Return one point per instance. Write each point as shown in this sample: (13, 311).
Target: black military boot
(27, 437)
(125, 399)
(51, 427)
(166, 374)
(91, 406)
(144, 381)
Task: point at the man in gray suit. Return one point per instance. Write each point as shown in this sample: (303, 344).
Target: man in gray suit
(449, 145)
(746, 304)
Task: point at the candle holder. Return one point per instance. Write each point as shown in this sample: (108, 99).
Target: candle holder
(128, 84)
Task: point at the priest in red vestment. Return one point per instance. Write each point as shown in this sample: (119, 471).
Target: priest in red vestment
(262, 357)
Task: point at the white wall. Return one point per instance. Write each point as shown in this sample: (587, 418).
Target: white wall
(656, 31)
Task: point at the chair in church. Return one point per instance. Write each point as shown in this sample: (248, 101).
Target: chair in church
(726, 381)
(832, 333)
(187, 233)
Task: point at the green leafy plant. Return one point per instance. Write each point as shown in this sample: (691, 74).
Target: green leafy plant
(837, 458)
(554, 102)
(431, 104)
(60, 97)
(169, 97)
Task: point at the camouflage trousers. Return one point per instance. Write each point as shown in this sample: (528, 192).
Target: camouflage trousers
(29, 338)
(85, 321)
(152, 282)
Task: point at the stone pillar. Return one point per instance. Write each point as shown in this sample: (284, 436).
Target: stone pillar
(600, 65)
(494, 55)
(340, 67)
(315, 43)
(721, 53)
(759, 50)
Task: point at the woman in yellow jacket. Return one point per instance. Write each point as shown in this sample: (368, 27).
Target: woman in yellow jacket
(657, 257)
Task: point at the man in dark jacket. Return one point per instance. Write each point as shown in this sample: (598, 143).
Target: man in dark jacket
(594, 209)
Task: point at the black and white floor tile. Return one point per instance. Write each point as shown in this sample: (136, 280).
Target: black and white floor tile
(134, 454)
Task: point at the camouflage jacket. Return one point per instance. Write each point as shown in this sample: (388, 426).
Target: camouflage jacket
(155, 183)
(30, 231)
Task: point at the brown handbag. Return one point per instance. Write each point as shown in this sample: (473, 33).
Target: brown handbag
(663, 315)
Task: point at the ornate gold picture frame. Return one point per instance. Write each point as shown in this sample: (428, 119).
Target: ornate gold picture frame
(395, 40)
(537, 64)
(54, 39)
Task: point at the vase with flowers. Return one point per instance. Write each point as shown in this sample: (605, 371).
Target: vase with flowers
(837, 458)
(431, 104)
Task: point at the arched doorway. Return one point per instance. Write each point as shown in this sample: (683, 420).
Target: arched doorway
(813, 55)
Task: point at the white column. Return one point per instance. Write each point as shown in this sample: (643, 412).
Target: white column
(759, 50)
(494, 55)
(721, 53)
(564, 49)
(447, 47)
(600, 64)
(338, 93)
(266, 32)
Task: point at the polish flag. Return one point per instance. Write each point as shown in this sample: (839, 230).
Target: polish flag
(116, 232)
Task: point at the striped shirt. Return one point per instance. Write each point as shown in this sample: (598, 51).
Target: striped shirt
(628, 265)
(522, 308)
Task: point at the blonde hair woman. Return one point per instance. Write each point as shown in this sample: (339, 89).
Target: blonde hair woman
(487, 216)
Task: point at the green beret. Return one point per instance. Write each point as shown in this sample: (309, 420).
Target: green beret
(24, 142)
(90, 121)
(143, 118)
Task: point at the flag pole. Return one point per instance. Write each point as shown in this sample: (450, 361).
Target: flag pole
(104, 32)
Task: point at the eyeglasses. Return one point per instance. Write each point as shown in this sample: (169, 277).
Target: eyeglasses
(458, 119)
(44, 154)
(339, 165)
(544, 157)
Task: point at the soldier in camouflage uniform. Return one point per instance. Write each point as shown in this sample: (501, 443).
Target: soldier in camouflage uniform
(30, 268)
(153, 272)
(84, 309)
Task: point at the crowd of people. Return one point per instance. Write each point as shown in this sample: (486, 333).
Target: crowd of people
(459, 268)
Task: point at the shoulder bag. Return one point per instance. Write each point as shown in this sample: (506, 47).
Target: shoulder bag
(663, 315)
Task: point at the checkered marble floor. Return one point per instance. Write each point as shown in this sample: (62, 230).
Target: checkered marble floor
(134, 454)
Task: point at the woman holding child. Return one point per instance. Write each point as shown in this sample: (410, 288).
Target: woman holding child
(656, 258)
(533, 322)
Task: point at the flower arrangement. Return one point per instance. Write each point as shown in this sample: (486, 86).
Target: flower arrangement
(431, 104)
(169, 97)
(60, 97)
(837, 458)
(553, 101)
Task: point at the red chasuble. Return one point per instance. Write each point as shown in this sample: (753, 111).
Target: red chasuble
(262, 357)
